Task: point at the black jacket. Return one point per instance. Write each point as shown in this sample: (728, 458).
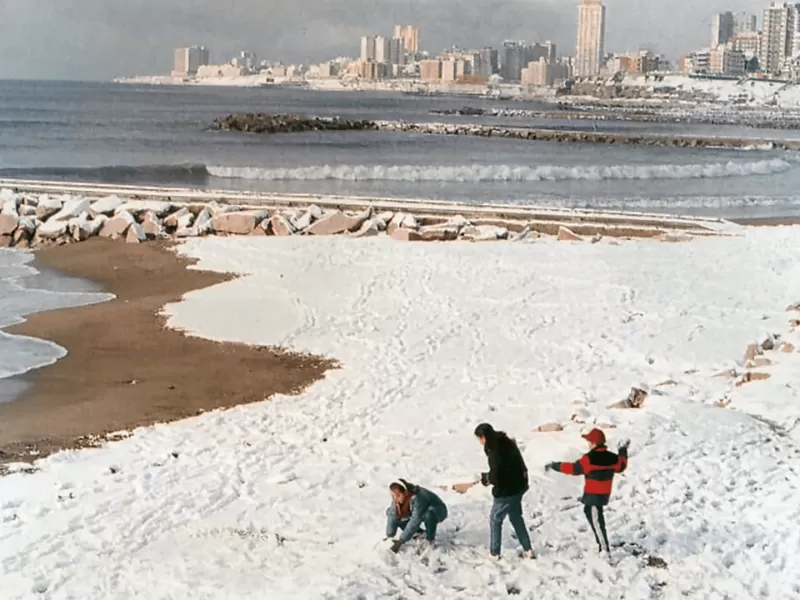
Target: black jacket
(507, 471)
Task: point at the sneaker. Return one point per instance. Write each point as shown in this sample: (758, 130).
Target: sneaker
(529, 554)
(494, 557)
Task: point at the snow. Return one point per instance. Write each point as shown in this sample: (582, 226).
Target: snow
(749, 92)
(286, 498)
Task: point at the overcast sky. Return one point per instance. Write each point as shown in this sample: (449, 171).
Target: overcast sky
(101, 39)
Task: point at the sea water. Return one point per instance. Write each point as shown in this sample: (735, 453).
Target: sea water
(25, 290)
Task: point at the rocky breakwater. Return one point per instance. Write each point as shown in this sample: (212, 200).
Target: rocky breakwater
(32, 221)
(280, 123)
(594, 137)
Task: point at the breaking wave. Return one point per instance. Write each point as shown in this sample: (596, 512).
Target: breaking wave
(504, 173)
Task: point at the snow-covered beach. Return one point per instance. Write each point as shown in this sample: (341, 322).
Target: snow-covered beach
(286, 498)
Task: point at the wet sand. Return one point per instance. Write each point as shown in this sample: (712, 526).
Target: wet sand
(124, 369)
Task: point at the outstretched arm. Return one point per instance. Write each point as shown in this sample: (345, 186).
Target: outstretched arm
(579, 467)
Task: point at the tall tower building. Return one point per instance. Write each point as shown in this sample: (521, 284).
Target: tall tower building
(188, 60)
(744, 22)
(591, 38)
(367, 48)
(722, 29)
(382, 49)
(777, 36)
(410, 37)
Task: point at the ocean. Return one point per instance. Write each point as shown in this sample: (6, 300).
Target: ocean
(24, 291)
(160, 135)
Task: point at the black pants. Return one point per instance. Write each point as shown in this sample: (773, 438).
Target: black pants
(597, 521)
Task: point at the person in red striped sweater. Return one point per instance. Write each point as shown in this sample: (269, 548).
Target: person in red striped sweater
(598, 468)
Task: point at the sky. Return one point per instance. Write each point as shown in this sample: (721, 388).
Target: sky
(102, 39)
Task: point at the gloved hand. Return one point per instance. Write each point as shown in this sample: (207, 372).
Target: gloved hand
(485, 479)
(396, 546)
(550, 466)
(624, 444)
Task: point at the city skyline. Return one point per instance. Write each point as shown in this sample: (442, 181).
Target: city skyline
(94, 39)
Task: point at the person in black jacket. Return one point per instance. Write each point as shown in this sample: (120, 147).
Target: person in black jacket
(508, 477)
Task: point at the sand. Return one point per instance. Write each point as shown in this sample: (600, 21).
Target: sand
(124, 369)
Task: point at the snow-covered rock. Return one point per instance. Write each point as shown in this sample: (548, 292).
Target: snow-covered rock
(72, 208)
(106, 206)
(47, 207)
(135, 234)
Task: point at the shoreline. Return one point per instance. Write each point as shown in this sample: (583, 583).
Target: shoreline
(124, 369)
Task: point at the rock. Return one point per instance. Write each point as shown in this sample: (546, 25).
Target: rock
(793, 307)
(463, 488)
(768, 344)
(47, 207)
(26, 210)
(72, 209)
(312, 214)
(439, 233)
(730, 374)
(527, 235)
(668, 382)
(402, 220)
(596, 238)
(83, 229)
(567, 235)
(105, 206)
(238, 223)
(117, 226)
(794, 323)
(723, 403)
(5, 241)
(30, 201)
(282, 123)
(280, 225)
(333, 223)
(52, 229)
(9, 208)
(458, 221)
(8, 224)
(752, 376)
(152, 226)
(204, 223)
(635, 399)
(215, 208)
(484, 233)
(751, 353)
(762, 361)
(370, 228)
(549, 428)
(181, 219)
(137, 207)
(135, 234)
(387, 215)
(402, 234)
(787, 347)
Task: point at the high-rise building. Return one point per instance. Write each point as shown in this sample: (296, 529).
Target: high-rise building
(722, 28)
(546, 50)
(397, 52)
(777, 36)
(744, 22)
(382, 49)
(488, 62)
(410, 37)
(591, 38)
(188, 60)
(367, 48)
(430, 70)
(514, 60)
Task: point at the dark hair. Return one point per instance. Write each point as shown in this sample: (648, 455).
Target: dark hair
(485, 430)
(493, 437)
(401, 485)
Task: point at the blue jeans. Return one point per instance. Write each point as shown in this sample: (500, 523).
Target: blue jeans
(511, 507)
(430, 519)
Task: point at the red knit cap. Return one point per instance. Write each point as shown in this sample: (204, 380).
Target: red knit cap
(595, 436)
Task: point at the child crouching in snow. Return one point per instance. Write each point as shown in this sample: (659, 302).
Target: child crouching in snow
(412, 506)
(598, 467)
